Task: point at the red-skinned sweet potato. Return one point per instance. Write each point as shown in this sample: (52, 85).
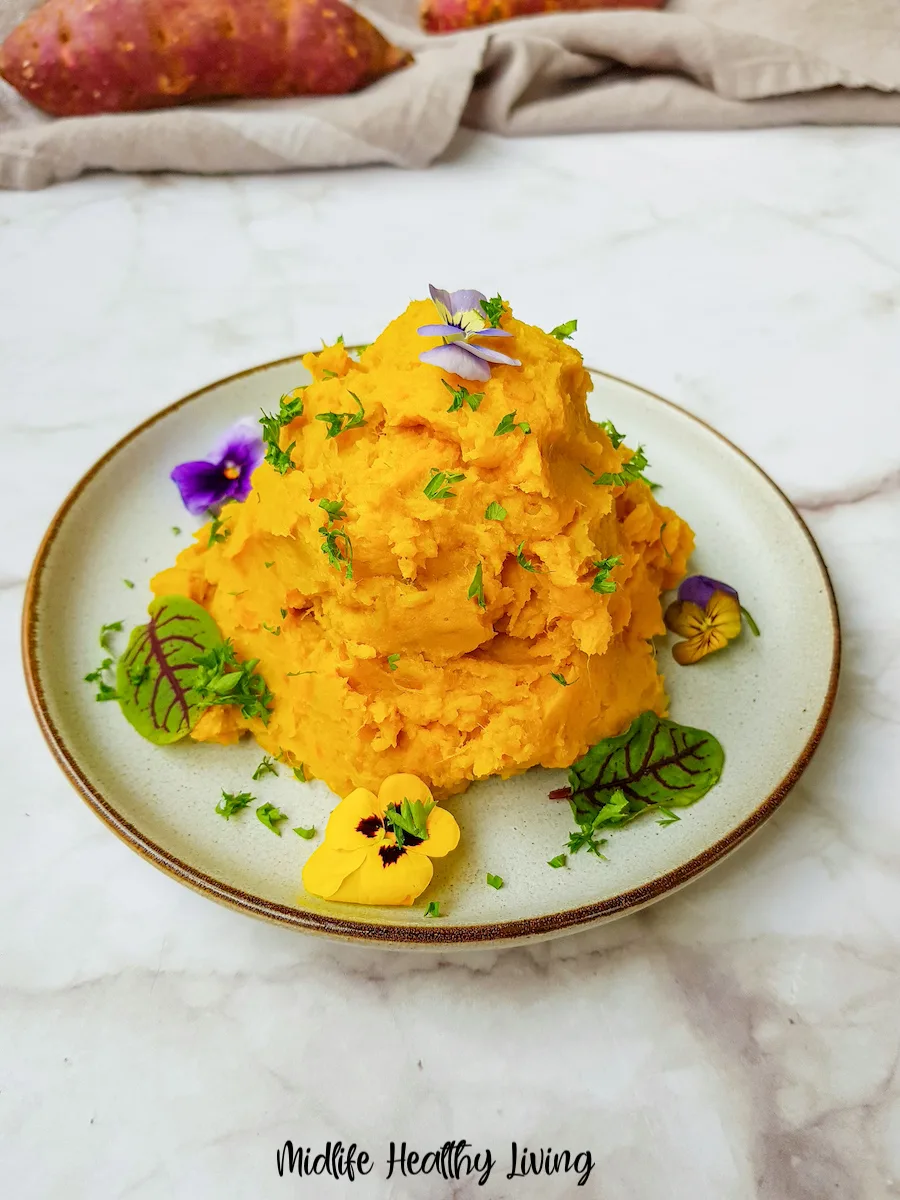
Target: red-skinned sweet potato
(445, 16)
(79, 57)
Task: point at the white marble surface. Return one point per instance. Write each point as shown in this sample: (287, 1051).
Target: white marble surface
(738, 1040)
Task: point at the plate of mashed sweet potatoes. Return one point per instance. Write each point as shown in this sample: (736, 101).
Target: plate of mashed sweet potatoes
(445, 640)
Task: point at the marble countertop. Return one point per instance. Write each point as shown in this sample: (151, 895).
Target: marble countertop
(740, 1039)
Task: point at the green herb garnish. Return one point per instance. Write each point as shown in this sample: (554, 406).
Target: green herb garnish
(105, 631)
(670, 817)
(494, 881)
(306, 834)
(138, 675)
(216, 532)
(476, 587)
(563, 332)
(462, 396)
(629, 473)
(602, 583)
(266, 565)
(215, 684)
(338, 549)
(409, 820)
(340, 422)
(275, 631)
(294, 674)
(300, 773)
(176, 529)
(329, 374)
(392, 661)
(523, 562)
(493, 310)
(561, 679)
(438, 486)
(495, 512)
(612, 433)
(231, 804)
(266, 767)
(270, 816)
(334, 509)
(433, 909)
(129, 583)
(272, 424)
(558, 861)
(105, 691)
(509, 423)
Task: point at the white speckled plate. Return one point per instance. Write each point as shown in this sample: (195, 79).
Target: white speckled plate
(766, 699)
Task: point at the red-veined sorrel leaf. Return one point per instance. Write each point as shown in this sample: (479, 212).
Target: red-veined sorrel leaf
(155, 674)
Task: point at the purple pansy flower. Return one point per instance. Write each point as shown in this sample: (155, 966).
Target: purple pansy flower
(462, 318)
(699, 589)
(205, 485)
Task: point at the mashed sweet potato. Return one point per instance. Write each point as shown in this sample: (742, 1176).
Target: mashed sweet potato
(396, 669)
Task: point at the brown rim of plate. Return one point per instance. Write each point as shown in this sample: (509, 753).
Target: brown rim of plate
(398, 935)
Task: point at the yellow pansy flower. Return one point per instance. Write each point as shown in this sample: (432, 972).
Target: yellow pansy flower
(378, 849)
(708, 614)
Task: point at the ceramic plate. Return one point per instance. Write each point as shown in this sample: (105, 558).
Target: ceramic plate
(766, 699)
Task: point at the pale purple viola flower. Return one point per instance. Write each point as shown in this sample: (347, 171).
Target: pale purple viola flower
(463, 318)
(206, 484)
(699, 589)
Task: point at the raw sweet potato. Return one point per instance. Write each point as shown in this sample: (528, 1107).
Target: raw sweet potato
(78, 57)
(445, 16)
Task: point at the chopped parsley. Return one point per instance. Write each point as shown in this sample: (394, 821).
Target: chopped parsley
(338, 549)
(612, 814)
(217, 532)
(558, 861)
(243, 686)
(329, 374)
(266, 767)
(106, 630)
(231, 803)
(176, 529)
(266, 565)
(294, 674)
(495, 512)
(523, 562)
(392, 661)
(271, 817)
(462, 396)
(306, 834)
(670, 817)
(612, 433)
(476, 587)
(300, 773)
(494, 881)
(433, 909)
(602, 583)
(105, 691)
(438, 486)
(493, 310)
(334, 509)
(129, 583)
(272, 425)
(509, 423)
(340, 422)
(276, 632)
(138, 675)
(629, 473)
(563, 332)
(561, 679)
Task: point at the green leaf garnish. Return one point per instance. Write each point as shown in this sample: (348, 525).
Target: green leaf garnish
(612, 433)
(300, 773)
(214, 683)
(662, 530)
(329, 374)
(176, 529)
(495, 512)
(602, 583)
(306, 834)
(433, 909)
(631, 471)
(340, 422)
(266, 767)
(493, 310)
(654, 763)
(334, 509)
(294, 674)
(670, 817)
(438, 486)
(338, 549)
(584, 838)
(231, 804)
(129, 583)
(508, 424)
(217, 531)
(157, 674)
(105, 631)
(561, 679)
(392, 661)
(266, 565)
(523, 562)
(462, 396)
(274, 630)
(476, 587)
(270, 816)
(558, 861)
(105, 691)
(272, 424)
(563, 332)
(494, 881)
(409, 820)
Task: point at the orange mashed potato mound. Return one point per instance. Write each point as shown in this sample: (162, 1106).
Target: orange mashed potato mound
(471, 691)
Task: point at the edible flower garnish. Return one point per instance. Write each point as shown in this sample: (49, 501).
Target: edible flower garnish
(708, 615)
(205, 484)
(378, 849)
(463, 317)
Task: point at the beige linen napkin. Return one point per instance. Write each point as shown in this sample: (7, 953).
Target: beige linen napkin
(699, 64)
